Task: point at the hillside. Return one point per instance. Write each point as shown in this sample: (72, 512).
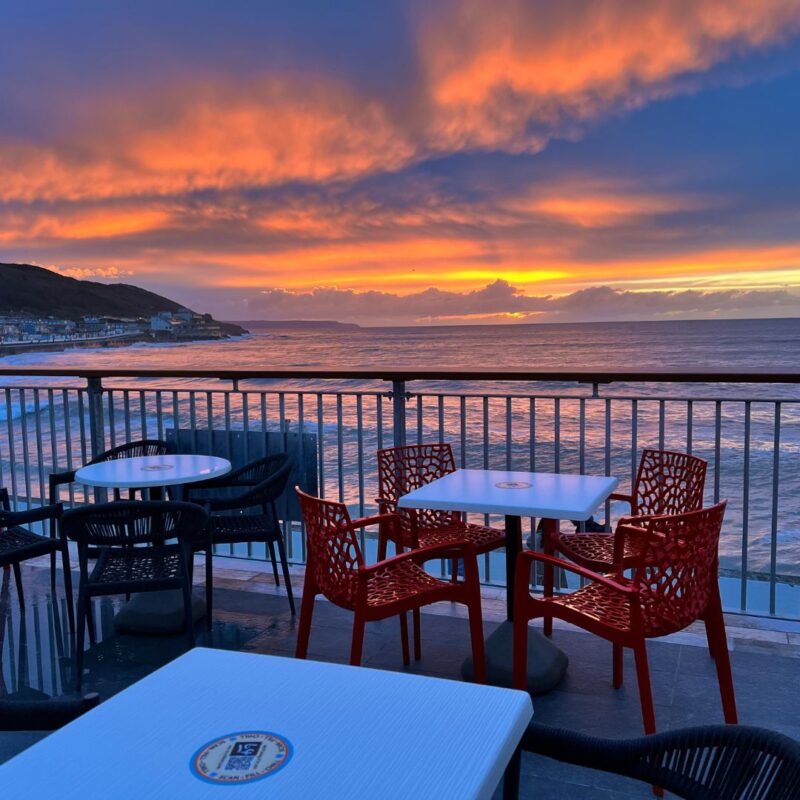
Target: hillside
(25, 289)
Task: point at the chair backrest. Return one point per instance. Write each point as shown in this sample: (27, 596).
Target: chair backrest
(256, 471)
(677, 569)
(264, 493)
(403, 469)
(126, 523)
(334, 555)
(142, 447)
(668, 483)
(713, 761)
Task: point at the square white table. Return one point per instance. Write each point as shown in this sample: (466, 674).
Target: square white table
(352, 731)
(515, 494)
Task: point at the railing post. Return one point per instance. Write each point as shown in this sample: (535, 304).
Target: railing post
(399, 412)
(97, 436)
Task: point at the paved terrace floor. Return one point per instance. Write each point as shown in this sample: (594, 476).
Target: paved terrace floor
(250, 614)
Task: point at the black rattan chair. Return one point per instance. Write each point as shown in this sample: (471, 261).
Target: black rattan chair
(135, 554)
(264, 481)
(704, 763)
(43, 715)
(18, 544)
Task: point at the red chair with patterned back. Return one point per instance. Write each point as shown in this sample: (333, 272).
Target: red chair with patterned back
(391, 587)
(666, 483)
(403, 469)
(674, 583)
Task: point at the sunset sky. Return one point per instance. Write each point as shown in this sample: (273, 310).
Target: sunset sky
(436, 161)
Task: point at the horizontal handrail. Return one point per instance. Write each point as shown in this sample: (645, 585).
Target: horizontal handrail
(559, 376)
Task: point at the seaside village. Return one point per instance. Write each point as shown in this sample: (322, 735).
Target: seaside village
(28, 330)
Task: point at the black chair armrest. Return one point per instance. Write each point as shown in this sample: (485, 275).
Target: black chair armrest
(268, 491)
(9, 519)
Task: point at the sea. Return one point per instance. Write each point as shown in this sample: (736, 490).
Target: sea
(543, 425)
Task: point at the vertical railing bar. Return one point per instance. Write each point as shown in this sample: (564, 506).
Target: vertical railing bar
(557, 433)
(282, 419)
(745, 503)
(532, 465)
(12, 449)
(39, 452)
(689, 426)
(82, 427)
(360, 441)
(634, 440)
(26, 467)
(773, 540)
(379, 418)
(176, 420)
(419, 419)
(264, 420)
(662, 421)
(143, 414)
(159, 415)
(582, 435)
(112, 422)
(51, 401)
(717, 448)
(463, 431)
(228, 432)
(210, 421)
(246, 433)
(192, 420)
(68, 440)
(126, 400)
(301, 426)
(441, 418)
(321, 445)
(509, 433)
(607, 462)
(485, 443)
(340, 448)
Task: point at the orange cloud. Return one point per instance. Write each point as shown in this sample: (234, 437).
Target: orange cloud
(79, 224)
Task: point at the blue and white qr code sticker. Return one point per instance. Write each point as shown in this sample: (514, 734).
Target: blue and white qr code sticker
(241, 757)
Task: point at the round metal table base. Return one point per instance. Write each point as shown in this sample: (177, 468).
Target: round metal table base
(546, 663)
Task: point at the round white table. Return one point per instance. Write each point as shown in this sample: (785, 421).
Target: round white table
(154, 612)
(148, 472)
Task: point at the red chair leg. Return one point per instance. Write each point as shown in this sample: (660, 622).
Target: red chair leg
(417, 635)
(549, 529)
(304, 629)
(382, 544)
(404, 638)
(617, 662)
(476, 635)
(358, 640)
(718, 646)
(645, 691)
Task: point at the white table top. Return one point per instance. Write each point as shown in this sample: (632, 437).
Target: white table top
(523, 494)
(354, 732)
(142, 472)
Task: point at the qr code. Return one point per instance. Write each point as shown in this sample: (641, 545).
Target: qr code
(239, 763)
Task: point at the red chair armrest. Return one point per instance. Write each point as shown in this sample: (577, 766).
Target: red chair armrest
(524, 568)
(457, 549)
(624, 498)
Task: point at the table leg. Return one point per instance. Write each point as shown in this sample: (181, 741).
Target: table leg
(546, 662)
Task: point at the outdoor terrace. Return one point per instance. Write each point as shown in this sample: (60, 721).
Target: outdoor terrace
(251, 614)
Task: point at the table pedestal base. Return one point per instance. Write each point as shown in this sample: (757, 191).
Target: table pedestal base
(157, 612)
(546, 663)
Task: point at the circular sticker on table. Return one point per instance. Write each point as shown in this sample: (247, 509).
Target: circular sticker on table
(157, 467)
(241, 757)
(513, 485)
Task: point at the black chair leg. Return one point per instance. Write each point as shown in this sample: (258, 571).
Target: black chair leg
(90, 620)
(285, 568)
(53, 572)
(271, 546)
(67, 586)
(511, 776)
(209, 586)
(18, 581)
(83, 603)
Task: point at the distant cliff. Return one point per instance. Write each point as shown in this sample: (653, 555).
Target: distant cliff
(25, 289)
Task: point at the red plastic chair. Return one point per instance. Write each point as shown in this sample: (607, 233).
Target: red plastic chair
(402, 469)
(674, 583)
(390, 587)
(667, 483)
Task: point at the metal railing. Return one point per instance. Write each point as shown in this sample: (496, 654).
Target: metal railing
(746, 425)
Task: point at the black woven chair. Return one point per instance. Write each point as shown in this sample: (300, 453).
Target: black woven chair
(704, 763)
(229, 523)
(43, 715)
(135, 554)
(18, 544)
